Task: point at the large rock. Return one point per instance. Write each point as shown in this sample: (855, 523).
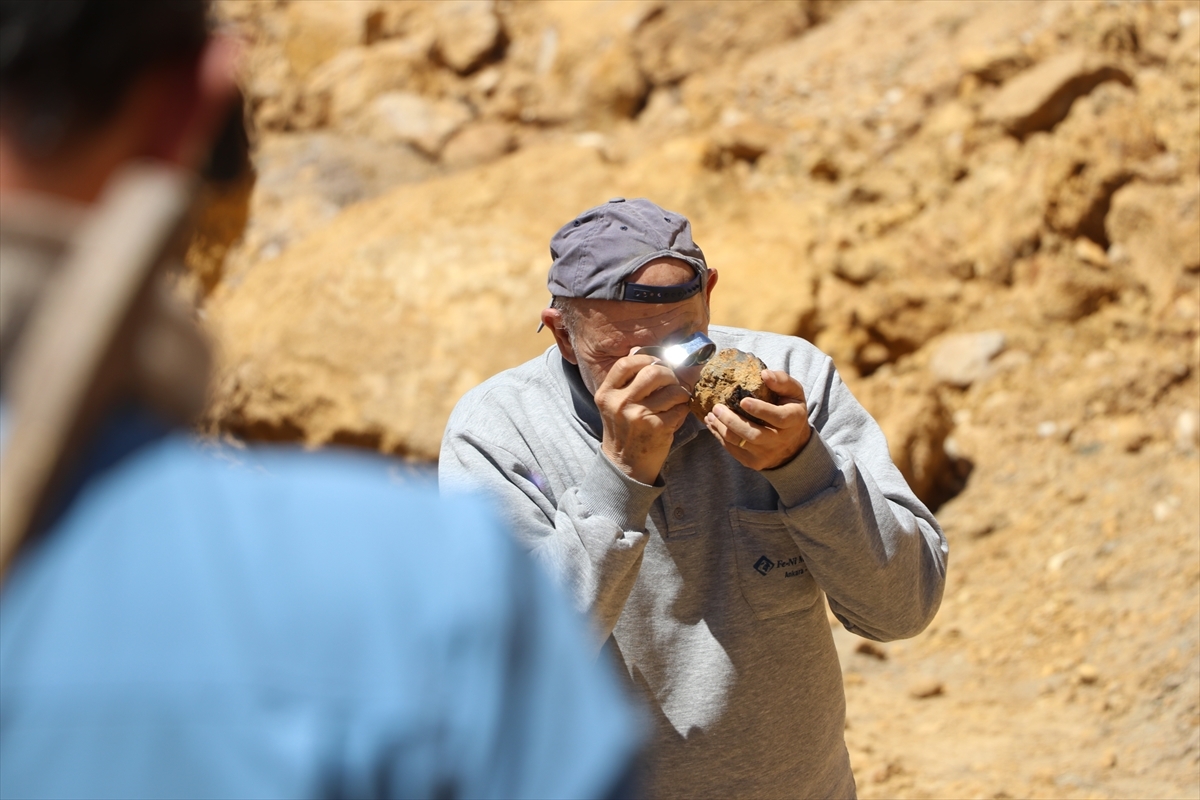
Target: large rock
(677, 39)
(916, 423)
(415, 120)
(1064, 287)
(570, 63)
(1105, 140)
(344, 86)
(305, 179)
(317, 30)
(468, 31)
(369, 329)
(864, 329)
(1157, 228)
(1040, 98)
(965, 236)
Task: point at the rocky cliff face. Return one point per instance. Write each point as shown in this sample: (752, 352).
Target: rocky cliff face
(987, 213)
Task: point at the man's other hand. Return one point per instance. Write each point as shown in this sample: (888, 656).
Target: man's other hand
(642, 404)
(772, 445)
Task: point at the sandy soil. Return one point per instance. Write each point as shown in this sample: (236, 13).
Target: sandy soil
(1065, 661)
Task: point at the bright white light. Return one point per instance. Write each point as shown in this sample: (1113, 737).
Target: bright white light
(675, 355)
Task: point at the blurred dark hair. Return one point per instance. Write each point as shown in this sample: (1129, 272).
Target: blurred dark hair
(66, 65)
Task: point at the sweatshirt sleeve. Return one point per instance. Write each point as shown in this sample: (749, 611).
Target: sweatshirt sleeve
(871, 545)
(591, 540)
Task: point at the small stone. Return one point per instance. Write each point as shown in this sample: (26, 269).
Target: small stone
(1109, 759)
(995, 65)
(925, 689)
(1187, 431)
(1117, 254)
(1130, 433)
(1099, 359)
(962, 359)
(953, 448)
(1087, 674)
(874, 355)
(887, 772)
(871, 649)
(1089, 252)
(1056, 561)
(728, 377)
(1164, 509)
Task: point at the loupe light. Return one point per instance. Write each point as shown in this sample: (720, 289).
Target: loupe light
(692, 351)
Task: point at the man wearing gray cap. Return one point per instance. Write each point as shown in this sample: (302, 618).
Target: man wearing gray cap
(701, 555)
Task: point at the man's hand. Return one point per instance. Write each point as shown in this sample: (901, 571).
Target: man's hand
(771, 445)
(642, 404)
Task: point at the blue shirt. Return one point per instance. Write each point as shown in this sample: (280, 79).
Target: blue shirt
(208, 622)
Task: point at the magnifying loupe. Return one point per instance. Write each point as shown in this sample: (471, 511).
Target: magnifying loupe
(692, 351)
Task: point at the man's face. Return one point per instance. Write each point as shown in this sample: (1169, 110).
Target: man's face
(609, 329)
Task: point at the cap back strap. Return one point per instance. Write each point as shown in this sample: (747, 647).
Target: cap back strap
(642, 293)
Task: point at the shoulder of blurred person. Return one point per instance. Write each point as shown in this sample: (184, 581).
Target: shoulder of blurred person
(220, 622)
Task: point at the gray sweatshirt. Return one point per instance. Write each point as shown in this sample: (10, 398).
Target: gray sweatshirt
(707, 588)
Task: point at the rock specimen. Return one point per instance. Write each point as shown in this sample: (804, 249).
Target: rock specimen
(729, 376)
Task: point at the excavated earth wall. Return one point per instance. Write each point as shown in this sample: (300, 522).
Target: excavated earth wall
(988, 213)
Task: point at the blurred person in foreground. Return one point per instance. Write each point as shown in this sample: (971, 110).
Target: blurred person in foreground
(186, 621)
(703, 550)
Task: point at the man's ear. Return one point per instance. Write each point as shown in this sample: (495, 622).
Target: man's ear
(708, 287)
(552, 318)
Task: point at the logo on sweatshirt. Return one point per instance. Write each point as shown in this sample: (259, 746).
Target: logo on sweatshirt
(765, 565)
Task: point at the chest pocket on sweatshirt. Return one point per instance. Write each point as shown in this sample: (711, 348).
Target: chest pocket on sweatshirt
(771, 572)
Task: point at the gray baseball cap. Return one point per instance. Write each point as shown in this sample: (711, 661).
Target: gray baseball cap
(595, 253)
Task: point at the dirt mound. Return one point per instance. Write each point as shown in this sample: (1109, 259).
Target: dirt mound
(987, 213)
